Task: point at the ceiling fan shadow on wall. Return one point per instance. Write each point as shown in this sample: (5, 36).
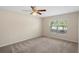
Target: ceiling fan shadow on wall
(36, 11)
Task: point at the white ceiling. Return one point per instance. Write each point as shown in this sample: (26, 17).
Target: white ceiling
(51, 10)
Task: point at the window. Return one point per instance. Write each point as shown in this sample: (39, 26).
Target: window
(59, 26)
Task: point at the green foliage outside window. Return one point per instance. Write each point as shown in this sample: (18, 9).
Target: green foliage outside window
(59, 26)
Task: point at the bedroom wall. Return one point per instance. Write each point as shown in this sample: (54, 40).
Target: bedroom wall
(72, 32)
(78, 31)
(15, 27)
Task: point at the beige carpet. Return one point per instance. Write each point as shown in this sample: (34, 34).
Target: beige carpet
(41, 45)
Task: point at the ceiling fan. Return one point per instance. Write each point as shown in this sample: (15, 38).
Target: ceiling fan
(36, 11)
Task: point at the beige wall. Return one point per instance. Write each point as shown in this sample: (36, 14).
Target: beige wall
(15, 27)
(72, 33)
(78, 31)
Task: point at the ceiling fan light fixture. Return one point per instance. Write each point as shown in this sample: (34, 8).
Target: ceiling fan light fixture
(34, 13)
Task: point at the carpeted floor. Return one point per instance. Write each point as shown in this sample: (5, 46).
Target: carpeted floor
(41, 45)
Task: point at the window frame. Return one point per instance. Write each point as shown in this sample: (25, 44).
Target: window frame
(57, 24)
